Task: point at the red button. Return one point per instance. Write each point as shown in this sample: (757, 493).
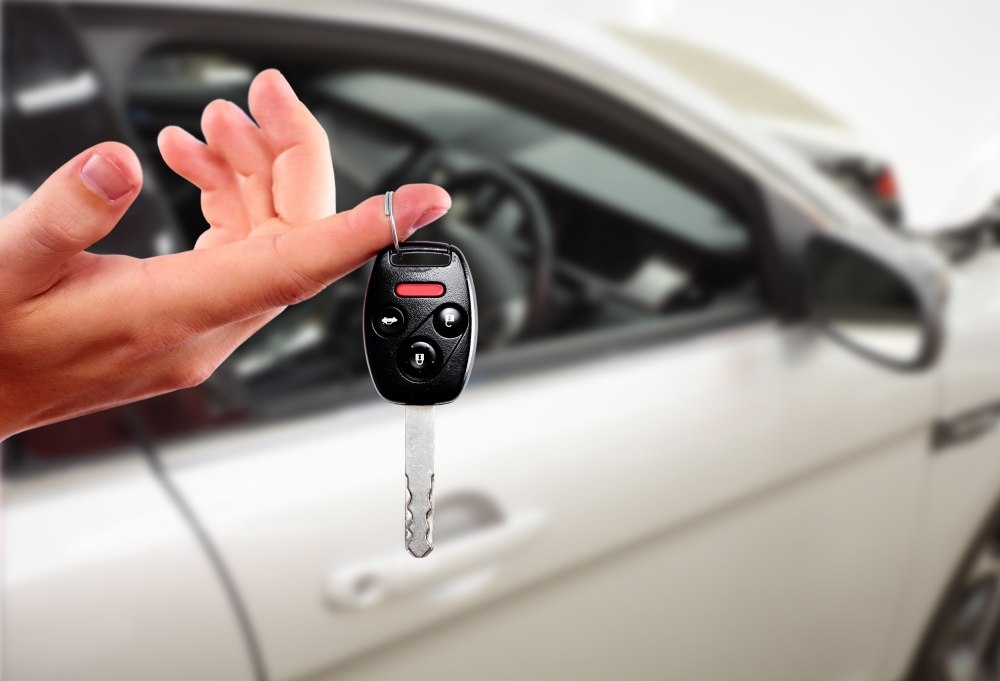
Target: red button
(432, 290)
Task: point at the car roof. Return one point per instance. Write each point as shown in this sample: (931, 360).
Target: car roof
(740, 85)
(586, 53)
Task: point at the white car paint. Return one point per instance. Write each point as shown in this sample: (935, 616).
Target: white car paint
(917, 77)
(775, 107)
(593, 56)
(961, 485)
(610, 474)
(103, 533)
(971, 377)
(753, 503)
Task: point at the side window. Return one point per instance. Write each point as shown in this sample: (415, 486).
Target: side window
(566, 234)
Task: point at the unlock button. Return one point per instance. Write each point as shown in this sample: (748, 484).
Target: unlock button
(420, 359)
(450, 321)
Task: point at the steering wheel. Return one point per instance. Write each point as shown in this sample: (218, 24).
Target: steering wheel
(512, 275)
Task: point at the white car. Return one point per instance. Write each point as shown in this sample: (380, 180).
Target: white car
(722, 424)
(786, 114)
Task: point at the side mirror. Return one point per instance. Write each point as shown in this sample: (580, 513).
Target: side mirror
(882, 309)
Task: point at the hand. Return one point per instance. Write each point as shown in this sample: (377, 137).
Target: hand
(80, 332)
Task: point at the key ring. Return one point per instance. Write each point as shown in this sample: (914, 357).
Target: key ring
(387, 206)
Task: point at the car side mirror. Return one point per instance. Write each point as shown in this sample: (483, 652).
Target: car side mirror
(888, 311)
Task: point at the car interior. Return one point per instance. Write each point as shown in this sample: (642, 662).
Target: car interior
(564, 233)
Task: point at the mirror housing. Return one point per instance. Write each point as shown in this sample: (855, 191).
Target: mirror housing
(886, 307)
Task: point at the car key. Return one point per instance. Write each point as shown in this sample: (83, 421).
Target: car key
(420, 327)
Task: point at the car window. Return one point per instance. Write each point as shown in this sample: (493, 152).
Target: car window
(566, 234)
(570, 236)
(580, 165)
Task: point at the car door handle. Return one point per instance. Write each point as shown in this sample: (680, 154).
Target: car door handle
(381, 579)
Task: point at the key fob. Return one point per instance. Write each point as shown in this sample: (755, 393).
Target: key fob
(420, 323)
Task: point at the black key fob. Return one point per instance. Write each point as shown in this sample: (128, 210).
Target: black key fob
(420, 323)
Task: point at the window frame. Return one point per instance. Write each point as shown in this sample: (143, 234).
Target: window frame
(506, 77)
(503, 76)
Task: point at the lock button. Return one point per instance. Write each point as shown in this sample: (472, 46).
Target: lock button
(420, 359)
(450, 321)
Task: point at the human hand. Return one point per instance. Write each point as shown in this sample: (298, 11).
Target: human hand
(82, 332)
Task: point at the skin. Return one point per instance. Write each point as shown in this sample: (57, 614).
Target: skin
(83, 332)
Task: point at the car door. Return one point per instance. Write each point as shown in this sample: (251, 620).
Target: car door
(103, 575)
(659, 468)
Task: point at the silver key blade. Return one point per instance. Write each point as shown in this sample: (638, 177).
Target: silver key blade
(419, 479)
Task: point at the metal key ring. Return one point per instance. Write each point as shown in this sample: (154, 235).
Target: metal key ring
(387, 205)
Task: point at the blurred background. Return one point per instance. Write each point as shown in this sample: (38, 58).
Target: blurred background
(662, 468)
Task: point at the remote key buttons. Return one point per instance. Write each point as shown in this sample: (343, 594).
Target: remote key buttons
(420, 359)
(389, 321)
(420, 290)
(450, 321)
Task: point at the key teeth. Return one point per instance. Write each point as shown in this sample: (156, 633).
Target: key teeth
(408, 525)
(428, 542)
(430, 515)
(413, 551)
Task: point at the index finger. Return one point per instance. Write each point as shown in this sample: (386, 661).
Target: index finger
(208, 288)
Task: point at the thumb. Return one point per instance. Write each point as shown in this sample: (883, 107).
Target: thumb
(210, 287)
(76, 206)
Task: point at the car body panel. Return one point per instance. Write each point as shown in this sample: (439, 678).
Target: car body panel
(288, 505)
(970, 371)
(783, 112)
(755, 592)
(963, 474)
(962, 489)
(103, 579)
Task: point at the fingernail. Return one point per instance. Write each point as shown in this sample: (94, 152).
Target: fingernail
(104, 178)
(428, 217)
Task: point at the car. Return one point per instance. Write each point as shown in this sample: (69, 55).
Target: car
(722, 423)
(786, 114)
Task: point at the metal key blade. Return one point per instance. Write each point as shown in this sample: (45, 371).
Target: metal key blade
(419, 479)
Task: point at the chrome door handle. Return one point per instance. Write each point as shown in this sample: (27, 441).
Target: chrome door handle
(381, 579)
